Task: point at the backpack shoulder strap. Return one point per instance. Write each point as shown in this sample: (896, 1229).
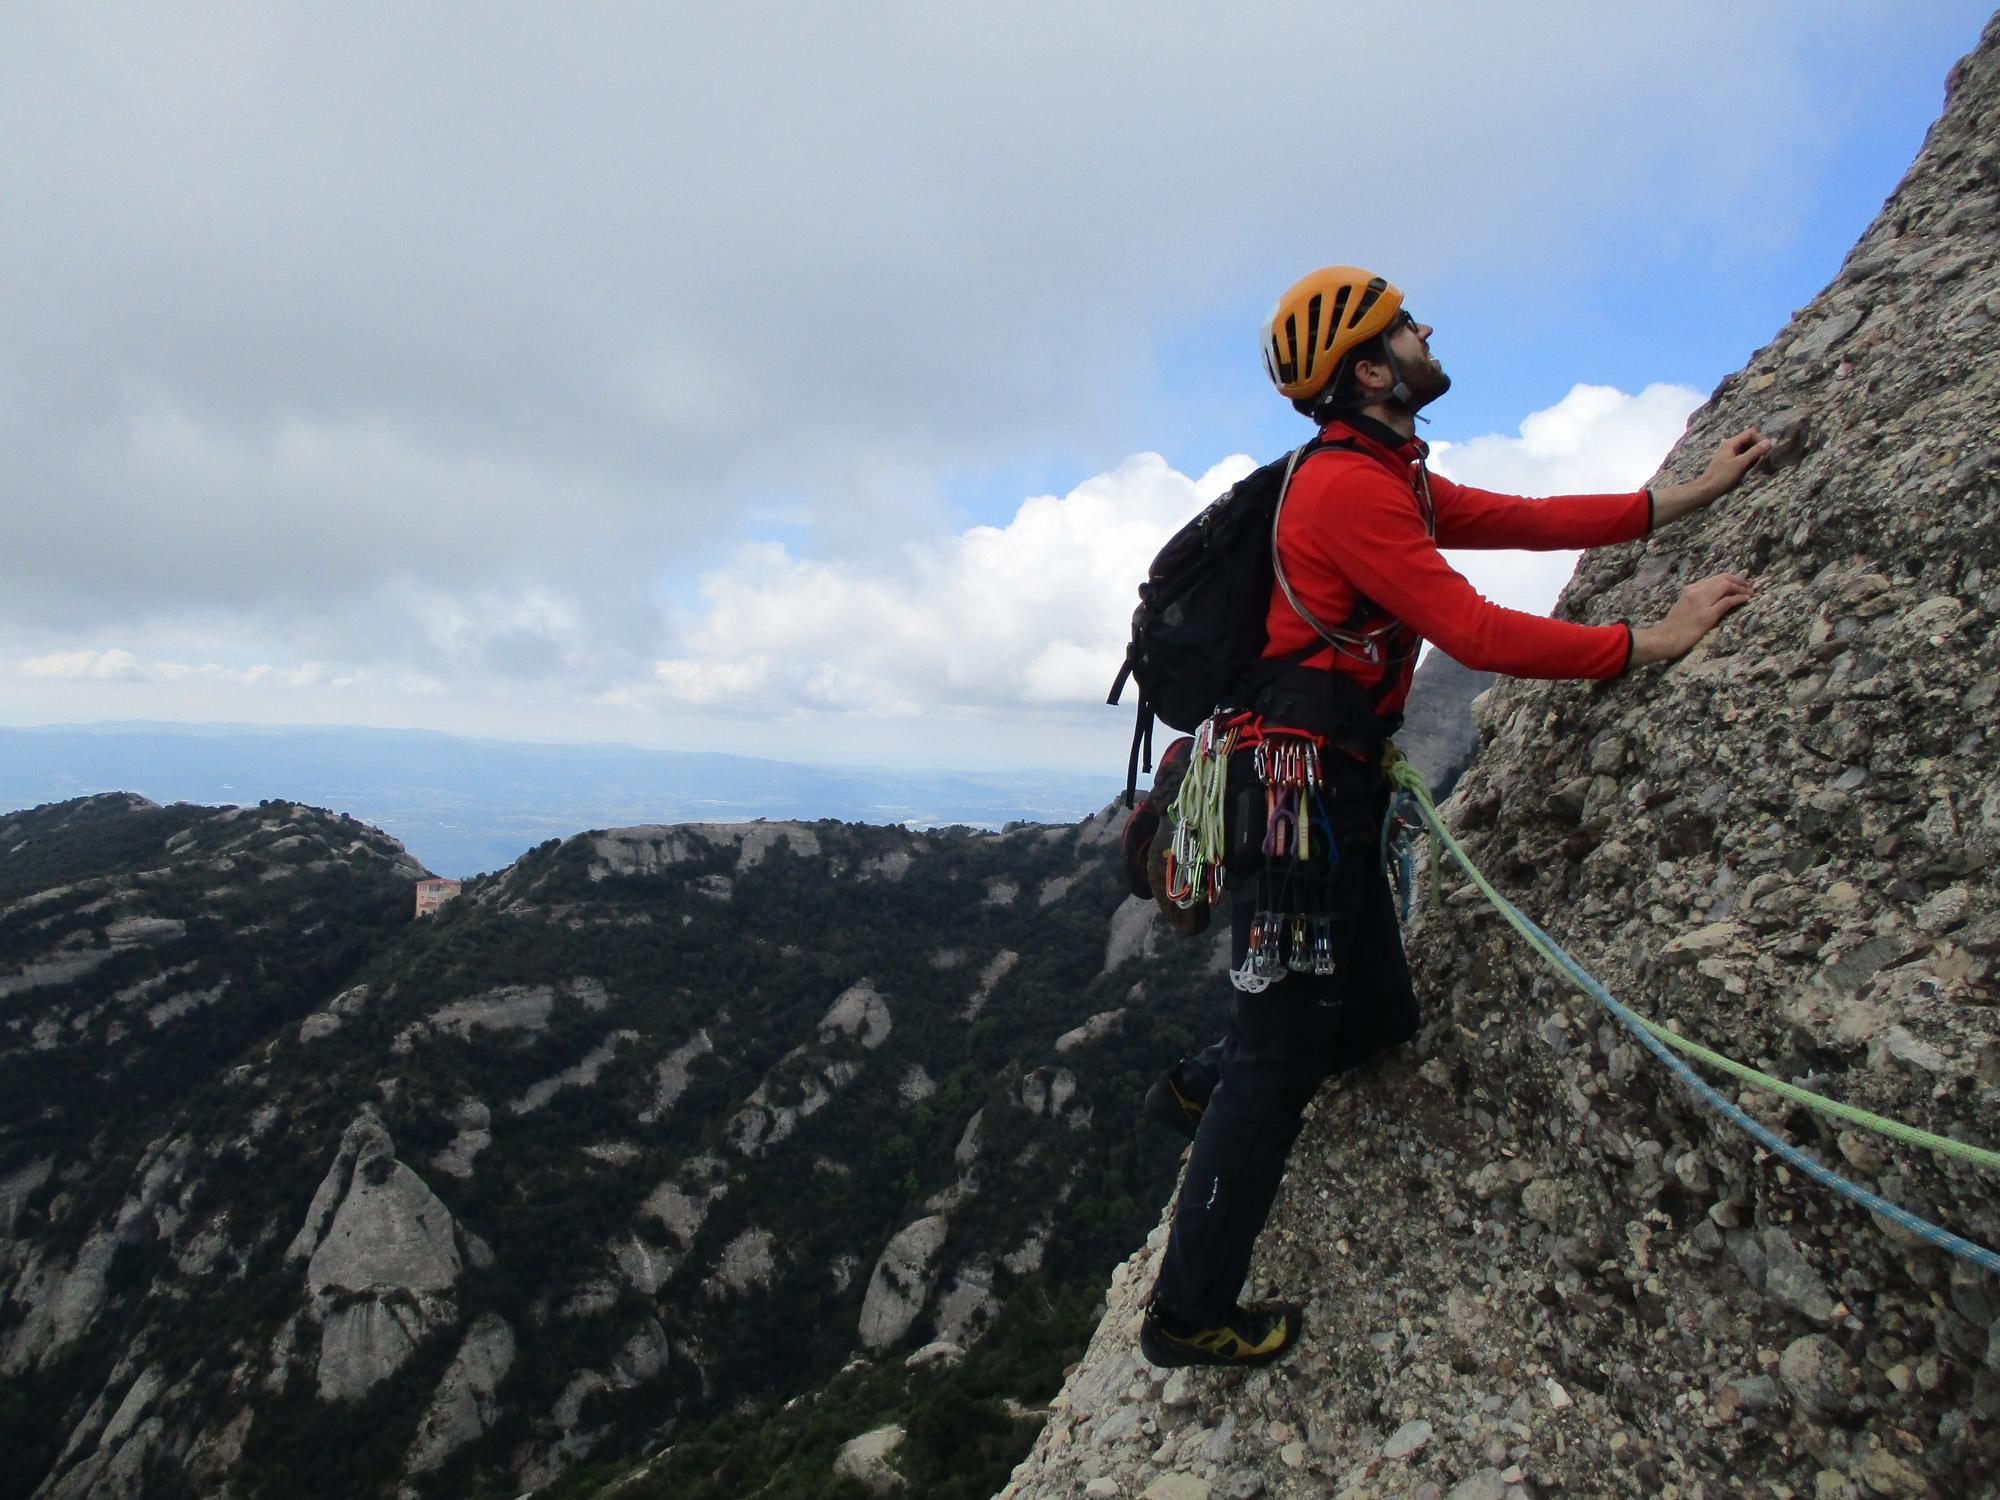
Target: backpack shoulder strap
(1330, 637)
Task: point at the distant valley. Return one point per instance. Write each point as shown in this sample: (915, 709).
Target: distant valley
(461, 806)
(466, 806)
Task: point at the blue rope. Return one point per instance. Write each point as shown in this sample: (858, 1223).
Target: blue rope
(1703, 1091)
(1943, 1238)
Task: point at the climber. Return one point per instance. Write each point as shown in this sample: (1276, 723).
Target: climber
(1357, 544)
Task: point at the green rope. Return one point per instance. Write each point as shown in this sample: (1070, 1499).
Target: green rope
(1406, 776)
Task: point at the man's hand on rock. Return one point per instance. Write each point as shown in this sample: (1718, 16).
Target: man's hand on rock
(1733, 459)
(1699, 610)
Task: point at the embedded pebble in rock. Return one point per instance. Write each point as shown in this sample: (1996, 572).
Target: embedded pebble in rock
(1790, 1279)
(1541, 1201)
(1117, 1427)
(1408, 1439)
(1216, 1448)
(1524, 1233)
(1817, 1373)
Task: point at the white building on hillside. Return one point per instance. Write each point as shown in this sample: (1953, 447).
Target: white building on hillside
(431, 894)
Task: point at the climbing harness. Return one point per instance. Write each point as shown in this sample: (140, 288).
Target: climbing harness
(1657, 1039)
(1280, 828)
(1292, 916)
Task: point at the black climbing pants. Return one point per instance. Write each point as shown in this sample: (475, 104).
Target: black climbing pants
(1282, 1044)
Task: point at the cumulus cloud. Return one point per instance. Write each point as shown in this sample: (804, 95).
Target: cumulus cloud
(1032, 614)
(1018, 624)
(103, 666)
(1596, 440)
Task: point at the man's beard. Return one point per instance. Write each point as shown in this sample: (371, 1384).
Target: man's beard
(1425, 384)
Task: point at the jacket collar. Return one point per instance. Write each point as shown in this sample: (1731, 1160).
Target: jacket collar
(1378, 438)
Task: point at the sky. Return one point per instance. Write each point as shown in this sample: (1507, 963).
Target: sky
(817, 381)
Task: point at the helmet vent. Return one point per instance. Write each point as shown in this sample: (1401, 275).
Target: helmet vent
(1339, 307)
(1288, 352)
(1368, 296)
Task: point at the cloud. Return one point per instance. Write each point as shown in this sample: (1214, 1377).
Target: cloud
(1596, 440)
(102, 666)
(337, 332)
(473, 385)
(118, 665)
(1029, 615)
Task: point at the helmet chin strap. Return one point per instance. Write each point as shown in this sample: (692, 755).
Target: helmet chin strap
(1400, 391)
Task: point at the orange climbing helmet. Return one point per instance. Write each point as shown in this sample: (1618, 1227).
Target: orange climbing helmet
(1318, 321)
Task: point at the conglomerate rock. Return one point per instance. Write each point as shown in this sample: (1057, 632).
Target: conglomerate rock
(463, 1406)
(902, 1281)
(381, 1262)
(1532, 1264)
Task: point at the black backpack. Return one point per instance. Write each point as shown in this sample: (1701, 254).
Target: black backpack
(1198, 634)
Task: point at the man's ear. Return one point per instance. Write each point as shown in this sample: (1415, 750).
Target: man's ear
(1372, 377)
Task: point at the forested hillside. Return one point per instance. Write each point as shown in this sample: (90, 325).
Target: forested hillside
(659, 1126)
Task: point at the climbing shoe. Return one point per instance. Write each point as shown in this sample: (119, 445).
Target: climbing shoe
(1177, 1101)
(1248, 1336)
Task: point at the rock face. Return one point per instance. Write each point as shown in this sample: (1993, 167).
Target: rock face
(464, 1406)
(1532, 1264)
(901, 1282)
(866, 1459)
(1438, 734)
(61, 1301)
(381, 1262)
(117, 1466)
(646, 850)
(859, 1012)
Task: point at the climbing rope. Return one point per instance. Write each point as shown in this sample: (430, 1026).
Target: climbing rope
(1658, 1039)
(1194, 873)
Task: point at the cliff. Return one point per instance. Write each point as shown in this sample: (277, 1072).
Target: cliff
(1532, 1264)
(1438, 733)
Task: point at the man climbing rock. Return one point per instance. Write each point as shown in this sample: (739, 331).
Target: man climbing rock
(1321, 985)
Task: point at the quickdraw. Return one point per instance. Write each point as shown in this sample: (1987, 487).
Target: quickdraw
(1291, 930)
(1401, 827)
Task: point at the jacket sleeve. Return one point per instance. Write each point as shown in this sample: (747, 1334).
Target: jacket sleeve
(1380, 544)
(1467, 517)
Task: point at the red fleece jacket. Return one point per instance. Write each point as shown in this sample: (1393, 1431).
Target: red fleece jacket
(1357, 553)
